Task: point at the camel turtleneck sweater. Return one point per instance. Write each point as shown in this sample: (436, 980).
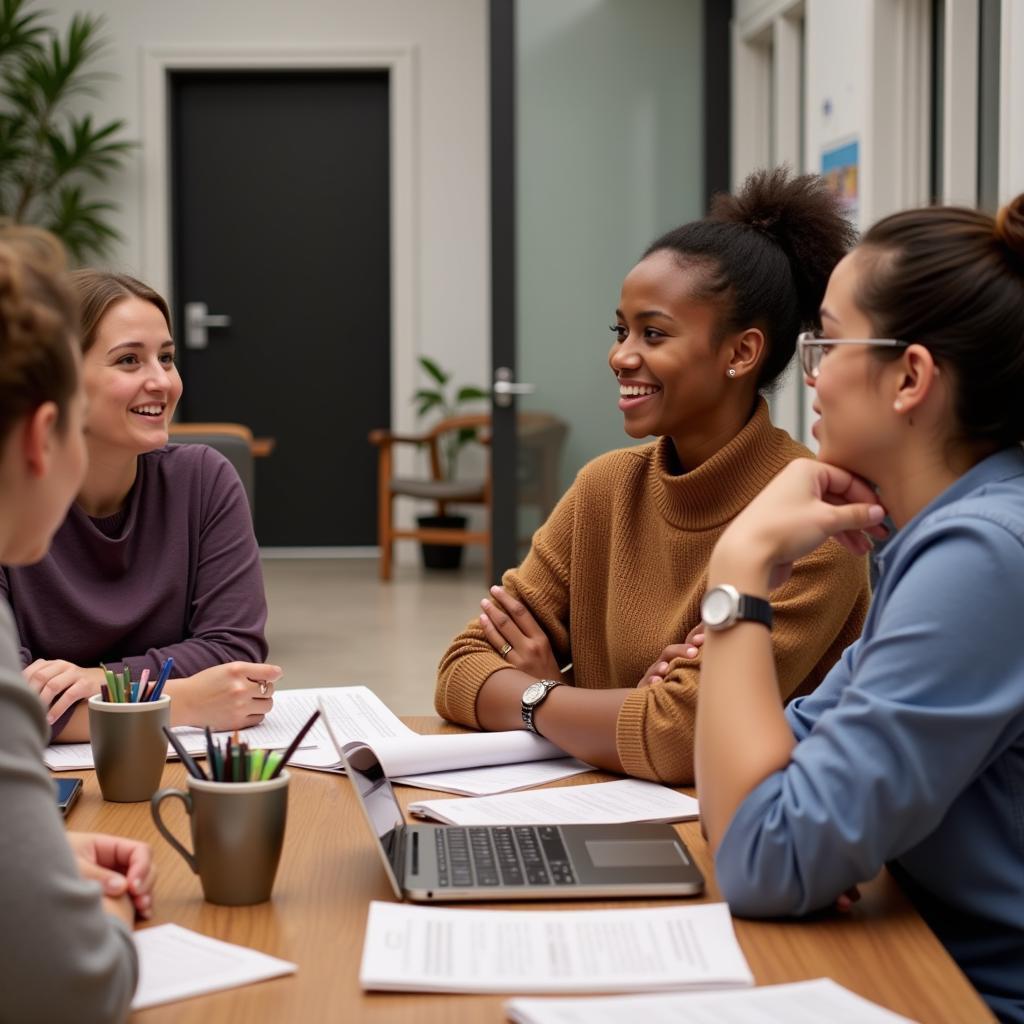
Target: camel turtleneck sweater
(617, 573)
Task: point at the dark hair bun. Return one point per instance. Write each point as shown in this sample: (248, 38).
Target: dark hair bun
(1010, 228)
(803, 217)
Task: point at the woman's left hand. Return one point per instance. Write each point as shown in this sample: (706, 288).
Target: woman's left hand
(515, 634)
(804, 505)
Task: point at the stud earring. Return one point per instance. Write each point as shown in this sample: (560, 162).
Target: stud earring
(731, 371)
(898, 405)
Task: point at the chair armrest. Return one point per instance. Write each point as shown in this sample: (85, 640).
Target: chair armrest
(383, 438)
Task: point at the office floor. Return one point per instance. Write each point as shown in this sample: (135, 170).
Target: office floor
(332, 622)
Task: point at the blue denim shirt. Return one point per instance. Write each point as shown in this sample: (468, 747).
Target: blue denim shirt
(911, 752)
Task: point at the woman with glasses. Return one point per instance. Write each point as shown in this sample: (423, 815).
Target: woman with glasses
(705, 324)
(911, 752)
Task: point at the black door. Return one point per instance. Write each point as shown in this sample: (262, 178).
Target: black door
(281, 222)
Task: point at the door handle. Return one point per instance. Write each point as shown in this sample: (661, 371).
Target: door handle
(505, 387)
(197, 320)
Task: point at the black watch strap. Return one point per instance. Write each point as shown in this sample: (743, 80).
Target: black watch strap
(754, 609)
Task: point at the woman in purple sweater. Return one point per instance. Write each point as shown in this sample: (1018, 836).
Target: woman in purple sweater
(157, 557)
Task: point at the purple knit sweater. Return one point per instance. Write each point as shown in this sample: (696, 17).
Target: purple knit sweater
(175, 573)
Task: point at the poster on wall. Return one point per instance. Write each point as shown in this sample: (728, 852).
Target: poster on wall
(840, 167)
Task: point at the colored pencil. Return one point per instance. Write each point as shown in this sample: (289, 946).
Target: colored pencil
(165, 671)
(186, 758)
(294, 745)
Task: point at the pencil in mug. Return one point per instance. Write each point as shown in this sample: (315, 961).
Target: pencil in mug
(144, 686)
(293, 746)
(165, 671)
(186, 758)
(112, 685)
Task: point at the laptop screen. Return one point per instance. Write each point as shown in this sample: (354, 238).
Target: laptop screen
(374, 791)
(376, 798)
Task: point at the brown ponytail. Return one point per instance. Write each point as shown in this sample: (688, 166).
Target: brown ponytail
(952, 279)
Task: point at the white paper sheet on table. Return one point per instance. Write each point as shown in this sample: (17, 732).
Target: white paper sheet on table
(175, 963)
(501, 778)
(602, 803)
(433, 949)
(802, 1002)
(275, 735)
(465, 763)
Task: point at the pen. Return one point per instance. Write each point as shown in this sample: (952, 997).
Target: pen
(294, 745)
(212, 756)
(165, 671)
(274, 761)
(111, 684)
(256, 769)
(236, 763)
(105, 692)
(186, 758)
(143, 686)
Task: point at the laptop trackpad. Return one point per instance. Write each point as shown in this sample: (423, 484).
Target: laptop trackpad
(627, 853)
(630, 854)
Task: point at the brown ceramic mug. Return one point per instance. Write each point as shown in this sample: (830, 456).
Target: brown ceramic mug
(129, 748)
(237, 835)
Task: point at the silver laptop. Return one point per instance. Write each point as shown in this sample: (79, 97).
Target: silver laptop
(427, 863)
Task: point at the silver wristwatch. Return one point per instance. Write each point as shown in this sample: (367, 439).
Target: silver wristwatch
(724, 606)
(535, 695)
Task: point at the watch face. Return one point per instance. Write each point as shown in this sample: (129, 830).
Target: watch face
(718, 606)
(534, 692)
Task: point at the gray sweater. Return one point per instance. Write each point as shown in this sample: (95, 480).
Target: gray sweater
(61, 957)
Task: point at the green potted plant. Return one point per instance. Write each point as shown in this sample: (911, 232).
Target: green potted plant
(49, 152)
(443, 399)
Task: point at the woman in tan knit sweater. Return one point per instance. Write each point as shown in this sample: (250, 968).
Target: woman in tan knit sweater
(707, 321)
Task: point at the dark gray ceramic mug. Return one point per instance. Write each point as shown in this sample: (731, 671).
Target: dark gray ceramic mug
(237, 835)
(129, 748)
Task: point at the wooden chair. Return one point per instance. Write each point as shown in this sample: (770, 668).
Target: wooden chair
(436, 489)
(233, 440)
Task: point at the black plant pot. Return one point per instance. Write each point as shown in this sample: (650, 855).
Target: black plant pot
(442, 556)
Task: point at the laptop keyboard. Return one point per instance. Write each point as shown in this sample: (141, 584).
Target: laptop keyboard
(524, 855)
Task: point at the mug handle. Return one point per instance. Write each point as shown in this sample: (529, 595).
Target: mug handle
(154, 805)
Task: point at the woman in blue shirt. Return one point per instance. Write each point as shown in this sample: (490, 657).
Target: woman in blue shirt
(911, 751)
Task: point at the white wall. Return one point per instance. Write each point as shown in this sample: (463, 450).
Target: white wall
(451, 300)
(836, 78)
(609, 125)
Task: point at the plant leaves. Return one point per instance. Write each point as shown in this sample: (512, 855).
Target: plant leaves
(470, 393)
(427, 401)
(81, 225)
(44, 148)
(434, 370)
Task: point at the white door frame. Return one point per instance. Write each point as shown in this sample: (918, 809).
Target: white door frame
(400, 63)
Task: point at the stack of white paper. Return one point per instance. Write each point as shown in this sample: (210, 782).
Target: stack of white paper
(603, 803)
(269, 734)
(175, 963)
(803, 1002)
(467, 763)
(430, 949)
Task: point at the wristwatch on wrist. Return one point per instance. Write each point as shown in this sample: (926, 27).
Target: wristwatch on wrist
(724, 606)
(535, 695)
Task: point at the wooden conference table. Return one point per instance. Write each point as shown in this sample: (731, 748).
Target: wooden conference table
(330, 871)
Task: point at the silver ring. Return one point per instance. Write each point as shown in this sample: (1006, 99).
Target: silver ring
(506, 649)
(263, 687)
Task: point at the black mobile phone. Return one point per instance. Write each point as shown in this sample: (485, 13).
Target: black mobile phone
(67, 793)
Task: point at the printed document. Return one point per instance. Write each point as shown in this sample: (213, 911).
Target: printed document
(432, 949)
(802, 1002)
(603, 803)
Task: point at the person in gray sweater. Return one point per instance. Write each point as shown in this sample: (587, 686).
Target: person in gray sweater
(66, 950)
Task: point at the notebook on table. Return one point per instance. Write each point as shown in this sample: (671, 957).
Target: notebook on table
(429, 863)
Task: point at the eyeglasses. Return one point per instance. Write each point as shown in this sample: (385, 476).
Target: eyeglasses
(813, 348)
